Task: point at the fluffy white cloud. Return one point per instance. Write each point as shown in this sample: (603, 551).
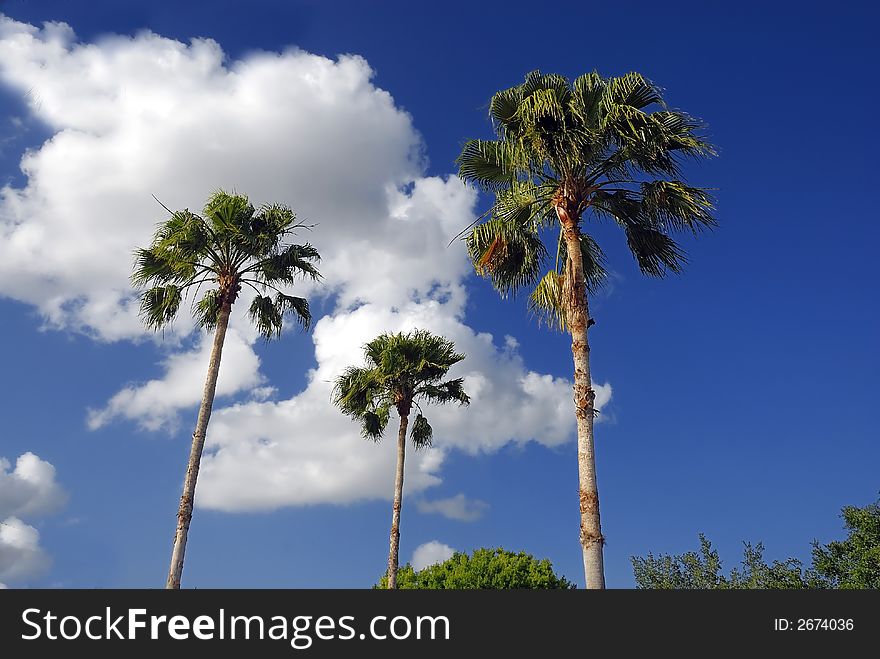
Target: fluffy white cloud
(300, 451)
(142, 115)
(21, 556)
(30, 489)
(458, 507)
(401, 253)
(154, 404)
(430, 553)
(148, 115)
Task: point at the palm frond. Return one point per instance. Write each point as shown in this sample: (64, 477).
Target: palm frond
(525, 203)
(544, 108)
(674, 205)
(208, 309)
(359, 390)
(587, 93)
(266, 317)
(230, 214)
(287, 264)
(537, 82)
(491, 165)
(263, 230)
(502, 108)
(299, 306)
(374, 423)
(451, 391)
(655, 252)
(421, 434)
(579, 141)
(153, 265)
(510, 254)
(267, 313)
(547, 302)
(634, 90)
(159, 305)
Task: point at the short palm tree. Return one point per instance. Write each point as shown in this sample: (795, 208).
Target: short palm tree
(567, 152)
(401, 370)
(230, 246)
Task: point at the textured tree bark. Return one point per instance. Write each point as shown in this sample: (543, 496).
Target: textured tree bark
(184, 513)
(592, 540)
(398, 500)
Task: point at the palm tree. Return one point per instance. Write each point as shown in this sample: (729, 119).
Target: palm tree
(232, 244)
(596, 148)
(401, 369)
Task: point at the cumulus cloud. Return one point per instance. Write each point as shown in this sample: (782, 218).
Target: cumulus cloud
(430, 553)
(131, 116)
(30, 489)
(155, 404)
(458, 507)
(21, 556)
(266, 455)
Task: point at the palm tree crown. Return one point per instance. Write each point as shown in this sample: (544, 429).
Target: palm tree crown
(401, 370)
(230, 245)
(607, 147)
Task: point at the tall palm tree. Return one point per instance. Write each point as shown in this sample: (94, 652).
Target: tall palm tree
(595, 148)
(401, 370)
(231, 245)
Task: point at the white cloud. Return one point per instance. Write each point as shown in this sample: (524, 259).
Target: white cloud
(300, 451)
(430, 553)
(148, 115)
(458, 507)
(142, 115)
(21, 556)
(30, 489)
(154, 404)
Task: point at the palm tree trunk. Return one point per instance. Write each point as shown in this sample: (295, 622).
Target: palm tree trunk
(591, 537)
(184, 513)
(398, 500)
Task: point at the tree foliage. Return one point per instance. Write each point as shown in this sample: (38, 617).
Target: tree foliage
(850, 563)
(484, 569)
(855, 561)
(603, 149)
(401, 370)
(230, 245)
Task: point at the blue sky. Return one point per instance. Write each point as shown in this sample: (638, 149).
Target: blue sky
(738, 398)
